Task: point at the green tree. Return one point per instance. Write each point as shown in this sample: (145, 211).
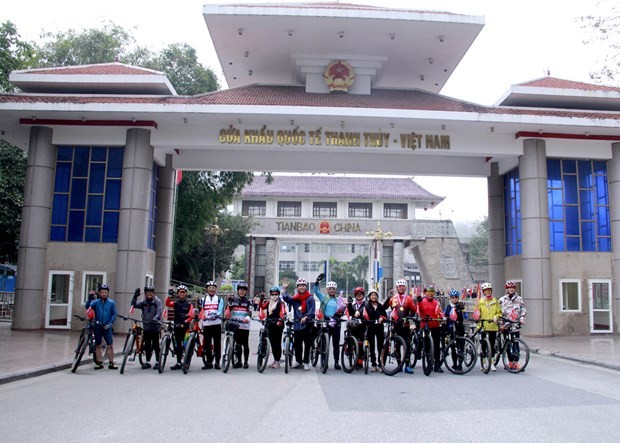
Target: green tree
(15, 54)
(238, 268)
(603, 31)
(12, 177)
(289, 276)
(479, 244)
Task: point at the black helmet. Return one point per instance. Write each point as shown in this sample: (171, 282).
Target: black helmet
(102, 286)
(242, 285)
(148, 288)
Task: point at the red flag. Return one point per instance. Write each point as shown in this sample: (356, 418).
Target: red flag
(90, 314)
(164, 314)
(261, 314)
(179, 176)
(131, 309)
(319, 314)
(366, 316)
(453, 314)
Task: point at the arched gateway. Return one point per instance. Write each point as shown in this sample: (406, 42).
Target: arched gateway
(329, 88)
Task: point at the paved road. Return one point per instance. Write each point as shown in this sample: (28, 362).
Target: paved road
(555, 400)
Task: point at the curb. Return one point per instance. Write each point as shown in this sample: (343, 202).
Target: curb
(579, 359)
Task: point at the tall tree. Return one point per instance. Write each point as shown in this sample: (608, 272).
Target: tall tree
(479, 244)
(603, 30)
(15, 54)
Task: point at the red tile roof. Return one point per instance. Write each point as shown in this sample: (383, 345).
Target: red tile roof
(558, 83)
(331, 187)
(97, 69)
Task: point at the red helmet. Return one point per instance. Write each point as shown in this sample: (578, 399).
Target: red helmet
(510, 284)
(358, 289)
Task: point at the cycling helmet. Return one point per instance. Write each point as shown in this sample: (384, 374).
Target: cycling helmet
(485, 286)
(182, 288)
(242, 285)
(274, 290)
(302, 281)
(454, 293)
(211, 283)
(332, 284)
(100, 287)
(401, 282)
(148, 288)
(358, 289)
(429, 288)
(510, 284)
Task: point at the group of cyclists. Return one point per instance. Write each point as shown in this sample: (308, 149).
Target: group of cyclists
(364, 315)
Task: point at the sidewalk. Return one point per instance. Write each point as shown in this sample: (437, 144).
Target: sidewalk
(25, 354)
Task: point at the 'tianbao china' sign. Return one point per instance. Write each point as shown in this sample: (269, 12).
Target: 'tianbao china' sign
(339, 76)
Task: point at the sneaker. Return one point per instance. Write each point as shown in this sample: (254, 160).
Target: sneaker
(299, 366)
(156, 366)
(493, 368)
(337, 366)
(98, 365)
(438, 369)
(408, 369)
(175, 367)
(245, 365)
(146, 366)
(208, 366)
(275, 365)
(237, 366)
(111, 365)
(217, 366)
(306, 367)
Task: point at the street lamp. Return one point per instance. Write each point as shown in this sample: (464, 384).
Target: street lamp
(378, 235)
(215, 231)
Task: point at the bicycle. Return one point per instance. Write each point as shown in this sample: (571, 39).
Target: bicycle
(458, 353)
(229, 354)
(392, 357)
(194, 344)
(350, 352)
(168, 344)
(262, 354)
(320, 346)
(134, 337)
(287, 347)
(421, 345)
(87, 338)
(484, 350)
(507, 344)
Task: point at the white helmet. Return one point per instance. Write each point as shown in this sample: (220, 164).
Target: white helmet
(302, 281)
(486, 285)
(332, 284)
(401, 282)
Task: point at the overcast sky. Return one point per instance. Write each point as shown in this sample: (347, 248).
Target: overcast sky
(521, 40)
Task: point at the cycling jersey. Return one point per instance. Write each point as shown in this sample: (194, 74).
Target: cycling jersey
(512, 307)
(183, 310)
(212, 310)
(431, 308)
(240, 310)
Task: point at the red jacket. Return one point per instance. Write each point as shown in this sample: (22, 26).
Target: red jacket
(402, 306)
(430, 308)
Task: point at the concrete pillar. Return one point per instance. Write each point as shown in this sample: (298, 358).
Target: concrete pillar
(134, 217)
(250, 264)
(270, 262)
(31, 281)
(536, 263)
(164, 228)
(398, 260)
(497, 250)
(613, 179)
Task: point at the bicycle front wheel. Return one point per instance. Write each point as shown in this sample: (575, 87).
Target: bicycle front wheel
(392, 356)
(460, 355)
(366, 356)
(415, 351)
(427, 354)
(227, 355)
(348, 354)
(324, 351)
(127, 350)
(163, 353)
(520, 352)
(79, 352)
(189, 353)
(315, 351)
(140, 350)
(262, 355)
(287, 352)
(486, 359)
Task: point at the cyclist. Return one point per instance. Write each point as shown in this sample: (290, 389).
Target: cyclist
(303, 313)
(430, 307)
(152, 311)
(490, 310)
(332, 308)
(355, 309)
(454, 315)
(513, 308)
(240, 309)
(374, 311)
(211, 313)
(183, 313)
(402, 306)
(104, 311)
(274, 308)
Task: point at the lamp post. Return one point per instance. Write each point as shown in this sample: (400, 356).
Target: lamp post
(215, 231)
(378, 235)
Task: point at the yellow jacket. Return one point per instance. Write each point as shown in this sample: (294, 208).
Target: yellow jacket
(489, 310)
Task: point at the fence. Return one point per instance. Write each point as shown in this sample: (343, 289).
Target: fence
(7, 300)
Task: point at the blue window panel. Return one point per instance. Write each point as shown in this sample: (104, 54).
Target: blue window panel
(115, 162)
(96, 179)
(63, 177)
(113, 195)
(573, 244)
(554, 174)
(92, 235)
(556, 234)
(604, 244)
(602, 218)
(572, 220)
(599, 167)
(98, 154)
(585, 174)
(556, 209)
(64, 154)
(76, 226)
(110, 227)
(78, 193)
(58, 233)
(588, 237)
(601, 189)
(569, 166)
(81, 162)
(95, 210)
(586, 205)
(59, 209)
(570, 189)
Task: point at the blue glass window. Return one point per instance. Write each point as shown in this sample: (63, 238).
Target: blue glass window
(512, 211)
(87, 192)
(153, 208)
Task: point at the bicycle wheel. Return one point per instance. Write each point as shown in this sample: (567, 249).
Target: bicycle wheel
(500, 343)
(163, 353)
(140, 350)
(486, 359)
(228, 353)
(348, 354)
(463, 359)
(287, 356)
(314, 351)
(189, 353)
(262, 355)
(415, 349)
(201, 348)
(366, 356)
(127, 350)
(79, 351)
(324, 351)
(427, 354)
(521, 351)
(392, 355)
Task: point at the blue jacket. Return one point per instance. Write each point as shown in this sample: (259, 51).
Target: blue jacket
(105, 312)
(298, 315)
